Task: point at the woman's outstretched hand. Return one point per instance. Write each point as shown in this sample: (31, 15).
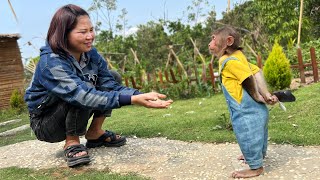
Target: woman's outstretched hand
(151, 100)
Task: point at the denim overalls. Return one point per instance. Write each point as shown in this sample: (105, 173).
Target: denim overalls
(250, 124)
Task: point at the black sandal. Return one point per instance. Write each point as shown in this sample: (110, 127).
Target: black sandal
(101, 141)
(72, 160)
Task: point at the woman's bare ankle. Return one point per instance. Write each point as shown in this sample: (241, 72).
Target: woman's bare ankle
(94, 134)
(71, 140)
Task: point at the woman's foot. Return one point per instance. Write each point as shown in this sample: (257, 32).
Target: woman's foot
(93, 135)
(74, 140)
(75, 153)
(107, 139)
(247, 173)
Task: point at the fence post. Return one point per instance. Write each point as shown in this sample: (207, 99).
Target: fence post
(133, 82)
(259, 61)
(301, 66)
(172, 76)
(160, 77)
(126, 81)
(148, 77)
(212, 76)
(314, 64)
(204, 73)
(167, 76)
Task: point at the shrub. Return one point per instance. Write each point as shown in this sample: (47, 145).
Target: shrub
(16, 100)
(277, 69)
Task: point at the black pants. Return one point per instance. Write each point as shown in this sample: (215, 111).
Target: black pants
(57, 121)
(53, 122)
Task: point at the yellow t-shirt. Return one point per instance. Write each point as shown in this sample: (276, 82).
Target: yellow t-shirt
(235, 72)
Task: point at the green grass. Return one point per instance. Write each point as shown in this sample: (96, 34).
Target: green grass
(20, 136)
(298, 125)
(14, 173)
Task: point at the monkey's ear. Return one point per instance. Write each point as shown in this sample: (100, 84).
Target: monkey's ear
(230, 40)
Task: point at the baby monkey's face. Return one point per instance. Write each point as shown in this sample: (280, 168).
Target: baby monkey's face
(217, 45)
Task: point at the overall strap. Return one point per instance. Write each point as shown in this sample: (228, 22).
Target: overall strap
(224, 63)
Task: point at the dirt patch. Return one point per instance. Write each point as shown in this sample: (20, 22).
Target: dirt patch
(296, 82)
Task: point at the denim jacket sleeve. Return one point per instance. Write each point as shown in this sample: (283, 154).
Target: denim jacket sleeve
(59, 77)
(106, 82)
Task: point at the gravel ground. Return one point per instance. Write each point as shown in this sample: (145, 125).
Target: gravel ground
(163, 159)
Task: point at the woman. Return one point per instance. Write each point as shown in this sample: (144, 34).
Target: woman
(71, 83)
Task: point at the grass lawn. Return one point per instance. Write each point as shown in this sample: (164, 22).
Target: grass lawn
(207, 120)
(199, 119)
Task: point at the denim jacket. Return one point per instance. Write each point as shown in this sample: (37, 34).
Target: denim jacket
(87, 84)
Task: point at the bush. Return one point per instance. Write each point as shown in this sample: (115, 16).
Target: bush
(16, 100)
(277, 69)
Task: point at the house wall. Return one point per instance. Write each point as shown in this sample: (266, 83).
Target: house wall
(11, 68)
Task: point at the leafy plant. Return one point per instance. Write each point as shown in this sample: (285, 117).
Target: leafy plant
(16, 100)
(277, 69)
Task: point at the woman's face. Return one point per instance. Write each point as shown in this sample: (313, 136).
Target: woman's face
(80, 39)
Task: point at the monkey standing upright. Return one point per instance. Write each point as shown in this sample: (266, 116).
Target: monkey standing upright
(246, 94)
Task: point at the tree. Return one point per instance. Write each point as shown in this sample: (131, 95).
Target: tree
(122, 22)
(312, 10)
(101, 6)
(280, 20)
(152, 43)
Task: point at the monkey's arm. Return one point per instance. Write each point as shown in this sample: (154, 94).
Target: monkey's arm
(250, 86)
(263, 89)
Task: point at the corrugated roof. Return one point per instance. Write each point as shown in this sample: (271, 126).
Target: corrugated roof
(17, 36)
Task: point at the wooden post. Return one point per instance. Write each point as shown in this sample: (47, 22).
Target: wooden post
(169, 59)
(126, 81)
(173, 77)
(252, 51)
(301, 66)
(259, 61)
(179, 62)
(167, 76)
(135, 57)
(212, 76)
(196, 50)
(133, 83)
(160, 77)
(109, 62)
(300, 23)
(124, 64)
(314, 64)
(204, 73)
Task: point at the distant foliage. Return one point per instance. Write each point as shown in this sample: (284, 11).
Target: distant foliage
(277, 69)
(291, 52)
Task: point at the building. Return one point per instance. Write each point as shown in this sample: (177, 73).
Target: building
(11, 68)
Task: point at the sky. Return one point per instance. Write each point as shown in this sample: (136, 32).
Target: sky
(34, 16)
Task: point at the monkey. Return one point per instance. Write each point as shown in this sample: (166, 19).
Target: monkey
(246, 93)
